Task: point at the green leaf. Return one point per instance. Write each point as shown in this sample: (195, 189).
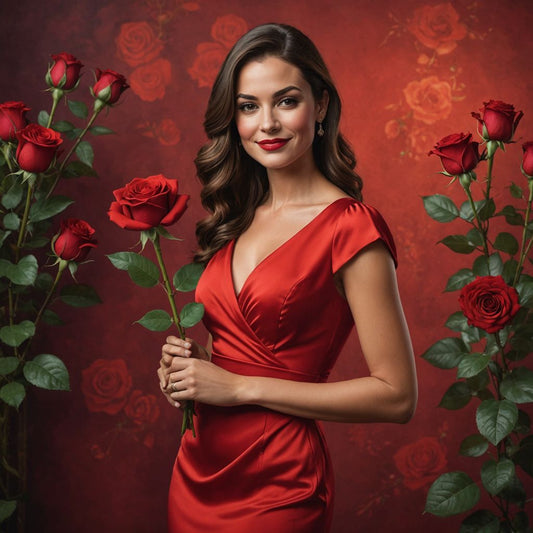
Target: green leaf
(79, 295)
(487, 210)
(85, 153)
(509, 270)
(505, 242)
(47, 372)
(459, 280)
(156, 320)
(466, 211)
(13, 196)
(518, 385)
(523, 457)
(191, 314)
(63, 126)
(23, 273)
(523, 424)
(458, 243)
(78, 109)
(512, 216)
(493, 266)
(516, 191)
(525, 291)
(44, 281)
(11, 221)
(49, 207)
(13, 393)
(457, 396)
(141, 270)
(7, 508)
(15, 335)
(186, 278)
(496, 419)
(474, 446)
(472, 364)
(77, 169)
(478, 383)
(52, 318)
(452, 493)
(514, 492)
(481, 521)
(8, 365)
(3, 236)
(440, 208)
(101, 130)
(496, 475)
(457, 322)
(446, 353)
(475, 237)
(42, 118)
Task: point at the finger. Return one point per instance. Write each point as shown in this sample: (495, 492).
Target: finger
(181, 349)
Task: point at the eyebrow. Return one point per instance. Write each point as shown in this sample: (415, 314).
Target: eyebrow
(275, 95)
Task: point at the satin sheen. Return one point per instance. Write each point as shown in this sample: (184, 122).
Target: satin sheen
(251, 469)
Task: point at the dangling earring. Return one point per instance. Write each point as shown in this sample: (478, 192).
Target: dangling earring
(320, 131)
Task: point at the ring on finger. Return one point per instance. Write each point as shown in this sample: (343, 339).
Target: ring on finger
(173, 387)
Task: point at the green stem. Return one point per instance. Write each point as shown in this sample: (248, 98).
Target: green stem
(57, 94)
(523, 248)
(490, 162)
(504, 360)
(6, 150)
(480, 226)
(24, 222)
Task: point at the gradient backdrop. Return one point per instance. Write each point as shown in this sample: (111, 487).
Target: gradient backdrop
(409, 73)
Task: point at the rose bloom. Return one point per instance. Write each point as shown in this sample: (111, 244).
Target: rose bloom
(458, 153)
(420, 462)
(527, 161)
(209, 59)
(430, 99)
(142, 408)
(489, 303)
(12, 119)
(109, 79)
(105, 385)
(37, 147)
(75, 240)
(145, 203)
(228, 29)
(437, 27)
(137, 43)
(67, 66)
(149, 81)
(498, 121)
(392, 129)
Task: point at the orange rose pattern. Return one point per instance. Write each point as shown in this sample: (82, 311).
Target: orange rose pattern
(165, 131)
(149, 81)
(137, 43)
(430, 99)
(437, 27)
(142, 408)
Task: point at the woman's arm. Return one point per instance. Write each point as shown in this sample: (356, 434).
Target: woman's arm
(388, 394)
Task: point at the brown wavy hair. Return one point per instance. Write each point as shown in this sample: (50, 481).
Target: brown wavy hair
(234, 184)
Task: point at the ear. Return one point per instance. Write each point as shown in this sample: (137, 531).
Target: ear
(322, 106)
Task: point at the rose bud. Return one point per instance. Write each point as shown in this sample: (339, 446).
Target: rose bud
(498, 121)
(527, 162)
(458, 153)
(37, 147)
(109, 86)
(74, 241)
(12, 119)
(65, 72)
(145, 203)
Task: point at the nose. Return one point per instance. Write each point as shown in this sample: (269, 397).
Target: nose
(269, 121)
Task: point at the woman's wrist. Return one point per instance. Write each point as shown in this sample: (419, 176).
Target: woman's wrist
(246, 391)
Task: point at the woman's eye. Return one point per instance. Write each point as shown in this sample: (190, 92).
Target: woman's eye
(288, 102)
(247, 107)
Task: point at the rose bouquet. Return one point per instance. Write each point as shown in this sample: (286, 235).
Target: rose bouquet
(147, 205)
(33, 158)
(494, 327)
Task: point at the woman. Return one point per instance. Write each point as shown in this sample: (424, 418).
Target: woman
(293, 260)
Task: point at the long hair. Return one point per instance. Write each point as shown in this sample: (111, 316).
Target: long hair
(234, 184)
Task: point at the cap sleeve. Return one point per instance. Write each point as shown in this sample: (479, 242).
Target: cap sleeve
(358, 226)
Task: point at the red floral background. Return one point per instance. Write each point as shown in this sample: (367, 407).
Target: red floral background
(409, 73)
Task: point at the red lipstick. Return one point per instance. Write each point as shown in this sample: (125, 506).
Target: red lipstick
(272, 144)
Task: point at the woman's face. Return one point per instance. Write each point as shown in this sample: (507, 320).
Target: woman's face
(276, 114)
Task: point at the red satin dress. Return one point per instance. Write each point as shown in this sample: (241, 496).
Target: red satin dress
(251, 469)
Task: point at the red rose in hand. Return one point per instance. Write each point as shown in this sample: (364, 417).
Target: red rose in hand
(527, 161)
(75, 240)
(105, 385)
(109, 86)
(65, 72)
(498, 121)
(458, 153)
(37, 147)
(12, 119)
(142, 408)
(145, 203)
(489, 303)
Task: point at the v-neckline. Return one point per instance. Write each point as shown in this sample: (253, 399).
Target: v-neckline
(274, 252)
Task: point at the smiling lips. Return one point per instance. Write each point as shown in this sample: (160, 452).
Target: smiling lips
(272, 144)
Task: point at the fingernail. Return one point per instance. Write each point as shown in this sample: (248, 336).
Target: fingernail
(176, 404)
(188, 352)
(187, 345)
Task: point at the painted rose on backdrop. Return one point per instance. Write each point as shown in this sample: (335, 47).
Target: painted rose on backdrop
(429, 98)
(228, 29)
(149, 81)
(165, 131)
(137, 43)
(142, 408)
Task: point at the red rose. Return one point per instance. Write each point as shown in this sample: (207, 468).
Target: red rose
(142, 408)
(437, 27)
(458, 153)
(109, 86)
(145, 203)
(75, 240)
(228, 29)
(12, 119)
(499, 121)
(37, 147)
(209, 59)
(527, 162)
(105, 385)
(137, 43)
(65, 72)
(489, 303)
(430, 99)
(420, 462)
(149, 81)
